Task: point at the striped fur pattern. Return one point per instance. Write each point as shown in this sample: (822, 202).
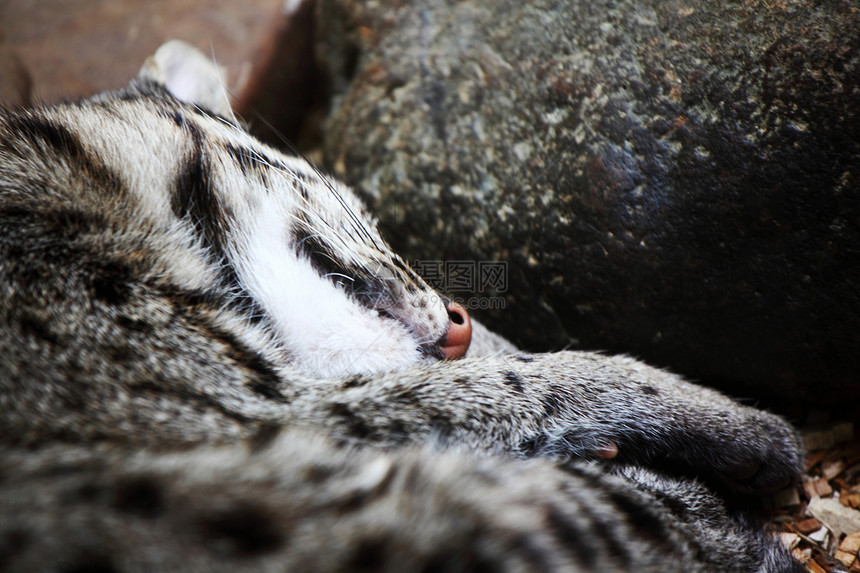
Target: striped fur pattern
(211, 361)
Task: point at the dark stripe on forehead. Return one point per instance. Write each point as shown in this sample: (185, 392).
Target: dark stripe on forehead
(169, 108)
(195, 198)
(47, 134)
(175, 116)
(56, 141)
(302, 181)
(161, 95)
(244, 158)
(252, 161)
(144, 89)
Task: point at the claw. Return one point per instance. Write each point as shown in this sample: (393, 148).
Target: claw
(607, 450)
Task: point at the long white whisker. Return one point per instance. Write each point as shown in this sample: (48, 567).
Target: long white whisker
(356, 222)
(327, 275)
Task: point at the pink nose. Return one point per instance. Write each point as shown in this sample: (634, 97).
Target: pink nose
(459, 335)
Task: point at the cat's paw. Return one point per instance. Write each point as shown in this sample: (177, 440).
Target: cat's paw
(764, 455)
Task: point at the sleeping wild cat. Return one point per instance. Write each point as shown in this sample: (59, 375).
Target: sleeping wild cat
(210, 360)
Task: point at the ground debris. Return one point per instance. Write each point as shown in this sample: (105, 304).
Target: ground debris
(819, 521)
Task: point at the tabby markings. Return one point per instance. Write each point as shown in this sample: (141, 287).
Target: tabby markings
(512, 380)
(244, 531)
(54, 140)
(195, 198)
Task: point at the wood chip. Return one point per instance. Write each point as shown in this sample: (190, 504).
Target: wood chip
(800, 555)
(790, 540)
(830, 494)
(851, 543)
(830, 470)
(847, 559)
(821, 537)
(807, 526)
(837, 517)
(822, 487)
(817, 488)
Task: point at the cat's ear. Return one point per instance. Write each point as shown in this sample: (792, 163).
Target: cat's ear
(189, 76)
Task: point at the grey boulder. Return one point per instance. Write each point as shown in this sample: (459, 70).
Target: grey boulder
(675, 180)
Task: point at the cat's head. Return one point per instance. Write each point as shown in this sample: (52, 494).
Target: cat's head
(297, 248)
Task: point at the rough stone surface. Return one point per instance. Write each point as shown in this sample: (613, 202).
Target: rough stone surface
(676, 180)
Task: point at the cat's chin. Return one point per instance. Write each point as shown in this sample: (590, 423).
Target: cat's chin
(358, 361)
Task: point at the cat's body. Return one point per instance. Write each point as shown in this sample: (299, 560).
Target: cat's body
(210, 360)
